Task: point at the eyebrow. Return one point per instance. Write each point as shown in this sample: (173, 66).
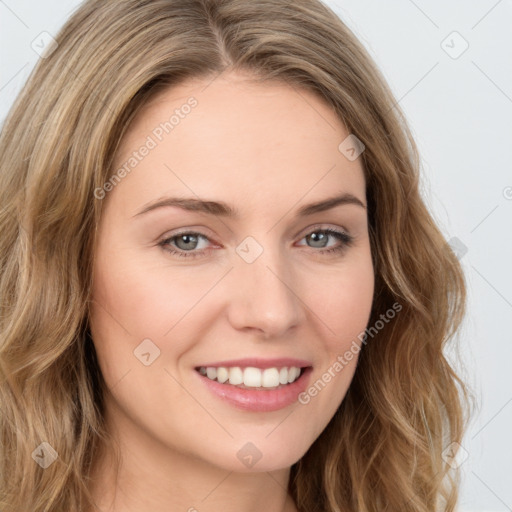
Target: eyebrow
(224, 210)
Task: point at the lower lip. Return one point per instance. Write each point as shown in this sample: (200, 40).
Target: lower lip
(259, 400)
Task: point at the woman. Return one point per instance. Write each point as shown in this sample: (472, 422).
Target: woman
(220, 285)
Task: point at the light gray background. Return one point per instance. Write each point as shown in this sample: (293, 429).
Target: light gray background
(460, 111)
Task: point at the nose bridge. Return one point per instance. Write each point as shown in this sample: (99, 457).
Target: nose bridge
(263, 297)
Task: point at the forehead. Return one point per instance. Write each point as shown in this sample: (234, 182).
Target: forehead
(232, 136)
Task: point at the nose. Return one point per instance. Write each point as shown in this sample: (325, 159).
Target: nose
(263, 296)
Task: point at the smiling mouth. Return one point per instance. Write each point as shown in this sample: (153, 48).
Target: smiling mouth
(252, 378)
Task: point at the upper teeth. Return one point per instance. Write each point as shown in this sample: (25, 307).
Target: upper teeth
(252, 377)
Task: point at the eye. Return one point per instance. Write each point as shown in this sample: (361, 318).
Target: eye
(320, 238)
(188, 243)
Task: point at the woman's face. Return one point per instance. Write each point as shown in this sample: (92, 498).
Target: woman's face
(243, 269)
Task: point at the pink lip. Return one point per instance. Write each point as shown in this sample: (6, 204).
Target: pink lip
(256, 362)
(259, 400)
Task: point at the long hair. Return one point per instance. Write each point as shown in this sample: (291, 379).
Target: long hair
(383, 449)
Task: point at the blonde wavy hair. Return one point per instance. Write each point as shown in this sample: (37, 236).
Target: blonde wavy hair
(383, 448)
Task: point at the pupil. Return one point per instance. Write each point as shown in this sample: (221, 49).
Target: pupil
(318, 237)
(187, 239)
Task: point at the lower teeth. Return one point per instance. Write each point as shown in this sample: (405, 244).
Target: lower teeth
(243, 386)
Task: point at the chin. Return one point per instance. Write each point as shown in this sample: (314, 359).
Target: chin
(259, 454)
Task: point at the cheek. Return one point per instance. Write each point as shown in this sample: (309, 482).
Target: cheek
(342, 300)
(147, 300)
(135, 300)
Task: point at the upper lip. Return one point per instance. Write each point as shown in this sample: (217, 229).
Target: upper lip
(256, 362)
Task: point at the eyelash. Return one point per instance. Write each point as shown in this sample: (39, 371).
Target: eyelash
(343, 237)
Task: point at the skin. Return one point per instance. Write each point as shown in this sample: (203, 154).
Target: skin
(266, 150)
